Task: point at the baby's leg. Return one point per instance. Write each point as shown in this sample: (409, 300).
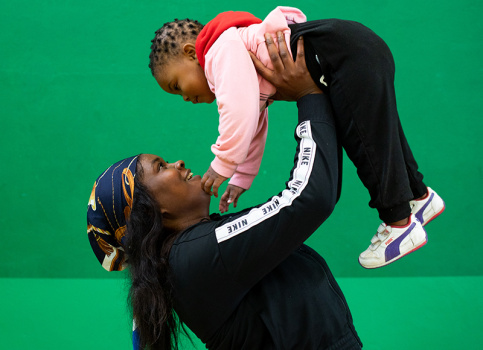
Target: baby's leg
(360, 72)
(359, 69)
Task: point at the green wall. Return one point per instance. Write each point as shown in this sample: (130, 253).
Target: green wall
(76, 95)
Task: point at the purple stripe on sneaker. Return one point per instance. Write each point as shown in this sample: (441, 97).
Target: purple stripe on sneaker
(419, 214)
(392, 250)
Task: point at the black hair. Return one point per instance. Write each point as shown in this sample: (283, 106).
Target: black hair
(168, 39)
(147, 246)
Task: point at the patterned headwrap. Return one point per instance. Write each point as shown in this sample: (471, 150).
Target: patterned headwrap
(108, 209)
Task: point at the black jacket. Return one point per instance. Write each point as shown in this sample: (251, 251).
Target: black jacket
(247, 281)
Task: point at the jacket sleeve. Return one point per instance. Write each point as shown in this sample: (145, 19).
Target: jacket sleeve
(254, 243)
(245, 172)
(237, 94)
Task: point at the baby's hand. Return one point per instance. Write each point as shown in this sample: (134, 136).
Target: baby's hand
(212, 178)
(231, 195)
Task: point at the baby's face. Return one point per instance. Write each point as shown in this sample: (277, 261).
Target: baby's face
(185, 77)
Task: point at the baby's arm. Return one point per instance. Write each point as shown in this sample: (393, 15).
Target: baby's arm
(212, 178)
(231, 195)
(237, 93)
(246, 172)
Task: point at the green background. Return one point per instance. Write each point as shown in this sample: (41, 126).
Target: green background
(76, 95)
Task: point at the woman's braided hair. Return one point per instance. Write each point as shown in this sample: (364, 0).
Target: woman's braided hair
(169, 38)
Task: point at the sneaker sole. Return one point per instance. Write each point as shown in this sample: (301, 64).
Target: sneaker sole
(398, 257)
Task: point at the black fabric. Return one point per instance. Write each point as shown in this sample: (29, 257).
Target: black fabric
(246, 281)
(358, 69)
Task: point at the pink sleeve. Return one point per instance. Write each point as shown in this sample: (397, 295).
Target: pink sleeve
(292, 14)
(237, 94)
(246, 172)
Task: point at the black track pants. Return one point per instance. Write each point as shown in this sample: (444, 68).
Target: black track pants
(358, 75)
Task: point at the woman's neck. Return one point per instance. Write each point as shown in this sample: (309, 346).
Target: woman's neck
(179, 225)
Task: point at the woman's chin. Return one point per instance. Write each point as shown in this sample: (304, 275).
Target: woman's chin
(211, 99)
(196, 180)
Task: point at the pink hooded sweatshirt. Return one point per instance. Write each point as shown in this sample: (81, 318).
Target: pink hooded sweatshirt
(242, 95)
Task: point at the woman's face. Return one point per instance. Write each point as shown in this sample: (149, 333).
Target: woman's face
(174, 187)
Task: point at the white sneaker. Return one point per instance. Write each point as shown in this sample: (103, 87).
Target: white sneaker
(391, 243)
(428, 208)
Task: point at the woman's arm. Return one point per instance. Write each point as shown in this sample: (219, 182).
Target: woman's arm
(254, 243)
(266, 235)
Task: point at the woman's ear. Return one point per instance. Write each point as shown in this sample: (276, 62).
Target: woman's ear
(189, 50)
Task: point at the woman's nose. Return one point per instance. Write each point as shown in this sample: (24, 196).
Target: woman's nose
(179, 164)
(186, 98)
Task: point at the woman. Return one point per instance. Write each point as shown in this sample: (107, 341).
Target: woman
(238, 281)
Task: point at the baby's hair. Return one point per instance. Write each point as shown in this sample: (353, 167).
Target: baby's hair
(168, 39)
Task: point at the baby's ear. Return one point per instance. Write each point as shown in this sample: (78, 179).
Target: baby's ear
(189, 50)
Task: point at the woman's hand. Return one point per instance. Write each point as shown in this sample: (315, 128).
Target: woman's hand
(212, 178)
(292, 79)
(231, 195)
